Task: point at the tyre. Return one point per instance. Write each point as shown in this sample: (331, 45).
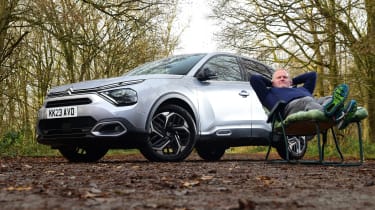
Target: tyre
(172, 135)
(83, 154)
(297, 146)
(210, 153)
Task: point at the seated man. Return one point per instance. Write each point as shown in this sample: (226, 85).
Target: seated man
(281, 87)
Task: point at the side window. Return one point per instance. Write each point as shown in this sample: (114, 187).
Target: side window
(253, 67)
(226, 68)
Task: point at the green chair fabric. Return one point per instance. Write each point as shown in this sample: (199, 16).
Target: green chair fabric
(312, 116)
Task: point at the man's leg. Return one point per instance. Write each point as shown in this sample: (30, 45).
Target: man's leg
(339, 114)
(324, 100)
(336, 104)
(302, 104)
(349, 110)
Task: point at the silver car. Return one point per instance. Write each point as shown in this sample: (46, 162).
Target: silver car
(164, 108)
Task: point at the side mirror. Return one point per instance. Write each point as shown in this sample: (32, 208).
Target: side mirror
(206, 74)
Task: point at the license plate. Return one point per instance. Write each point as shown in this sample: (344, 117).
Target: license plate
(62, 112)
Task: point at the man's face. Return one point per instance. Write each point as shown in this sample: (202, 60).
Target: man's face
(281, 79)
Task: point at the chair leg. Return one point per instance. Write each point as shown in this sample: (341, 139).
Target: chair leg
(271, 138)
(324, 135)
(337, 145)
(360, 145)
(285, 138)
(360, 142)
(270, 143)
(268, 151)
(320, 150)
(342, 163)
(278, 117)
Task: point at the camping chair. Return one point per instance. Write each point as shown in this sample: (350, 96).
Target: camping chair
(310, 123)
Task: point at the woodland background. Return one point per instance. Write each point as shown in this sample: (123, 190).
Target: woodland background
(44, 43)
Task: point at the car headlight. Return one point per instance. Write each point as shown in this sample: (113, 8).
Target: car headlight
(121, 97)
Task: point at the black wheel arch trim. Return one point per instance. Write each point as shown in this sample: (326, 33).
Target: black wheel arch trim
(170, 97)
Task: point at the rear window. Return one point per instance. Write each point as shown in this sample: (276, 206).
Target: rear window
(254, 67)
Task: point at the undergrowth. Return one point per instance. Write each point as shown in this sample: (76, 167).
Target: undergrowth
(13, 144)
(350, 149)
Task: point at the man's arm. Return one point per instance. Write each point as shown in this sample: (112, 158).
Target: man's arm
(307, 79)
(260, 85)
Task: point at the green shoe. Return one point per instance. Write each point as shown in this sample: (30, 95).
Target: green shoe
(350, 110)
(339, 95)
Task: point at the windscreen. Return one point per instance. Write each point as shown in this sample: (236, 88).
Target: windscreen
(179, 65)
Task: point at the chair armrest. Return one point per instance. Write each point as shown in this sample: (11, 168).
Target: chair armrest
(278, 108)
(360, 114)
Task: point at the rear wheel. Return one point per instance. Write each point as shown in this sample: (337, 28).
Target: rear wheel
(210, 153)
(297, 146)
(172, 135)
(83, 153)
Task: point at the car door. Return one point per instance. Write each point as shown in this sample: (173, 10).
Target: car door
(224, 103)
(258, 113)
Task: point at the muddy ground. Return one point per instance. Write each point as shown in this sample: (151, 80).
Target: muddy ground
(238, 181)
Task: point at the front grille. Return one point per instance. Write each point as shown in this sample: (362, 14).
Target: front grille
(68, 102)
(73, 91)
(66, 127)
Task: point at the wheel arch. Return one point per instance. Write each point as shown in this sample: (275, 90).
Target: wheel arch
(176, 99)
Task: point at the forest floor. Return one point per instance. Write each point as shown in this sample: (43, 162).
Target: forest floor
(238, 181)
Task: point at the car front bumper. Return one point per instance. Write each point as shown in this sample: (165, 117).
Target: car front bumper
(96, 121)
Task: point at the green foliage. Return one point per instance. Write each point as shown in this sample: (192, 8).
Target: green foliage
(122, 152)
(349, 148)
(10, 143)
(369, 150)
(248, 149)
(13, 143)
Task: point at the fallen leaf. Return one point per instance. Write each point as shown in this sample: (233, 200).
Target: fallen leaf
(135, 167)
(22, 188)
(206, 177)
(28, 166)
(191, 183)
(89, 195)
(265, 179)
(95, 191)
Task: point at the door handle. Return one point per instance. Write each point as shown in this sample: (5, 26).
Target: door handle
(244, 93)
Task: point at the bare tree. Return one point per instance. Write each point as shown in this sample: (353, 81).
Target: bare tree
(309, 35)
(69, 41)
(11, 37)
(359, 39)
(8, 41)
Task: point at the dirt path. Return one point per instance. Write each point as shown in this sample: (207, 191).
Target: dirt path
(131, 182)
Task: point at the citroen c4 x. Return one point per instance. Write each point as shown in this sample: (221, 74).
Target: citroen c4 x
(164, 108)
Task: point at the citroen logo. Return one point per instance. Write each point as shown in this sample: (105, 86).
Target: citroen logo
(69, 91)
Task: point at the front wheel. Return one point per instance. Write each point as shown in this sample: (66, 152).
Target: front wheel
(172, 135)
(84, 153)
(297, 146)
